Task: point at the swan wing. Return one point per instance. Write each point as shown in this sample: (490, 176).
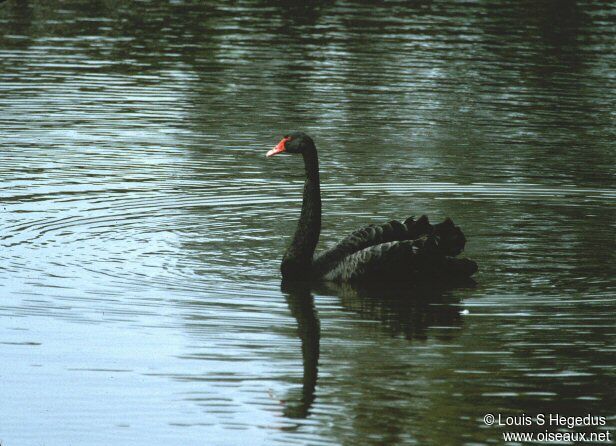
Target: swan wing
(401, 260)
(450, 237)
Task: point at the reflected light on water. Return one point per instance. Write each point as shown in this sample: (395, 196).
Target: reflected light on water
(141, 226)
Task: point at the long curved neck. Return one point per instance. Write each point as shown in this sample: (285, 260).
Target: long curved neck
(297, 261)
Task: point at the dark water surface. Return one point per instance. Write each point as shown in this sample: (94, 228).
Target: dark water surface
(141, 226)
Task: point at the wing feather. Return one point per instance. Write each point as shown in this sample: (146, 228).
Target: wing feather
(409, 260)
(450, 240)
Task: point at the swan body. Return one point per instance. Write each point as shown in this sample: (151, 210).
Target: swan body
(414, 250)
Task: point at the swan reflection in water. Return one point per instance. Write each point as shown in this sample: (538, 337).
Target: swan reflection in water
(403, 310)
(301, 304)
(411, 252)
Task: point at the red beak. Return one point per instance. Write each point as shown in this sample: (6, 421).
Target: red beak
(279, 148)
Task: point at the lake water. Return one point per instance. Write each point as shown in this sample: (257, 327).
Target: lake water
(141, 225)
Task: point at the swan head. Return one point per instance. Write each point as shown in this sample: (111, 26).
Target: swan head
(293, 142)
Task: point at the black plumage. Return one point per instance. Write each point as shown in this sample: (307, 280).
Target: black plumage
(413, 251)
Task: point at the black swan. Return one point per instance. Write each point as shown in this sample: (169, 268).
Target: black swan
(414, 251)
